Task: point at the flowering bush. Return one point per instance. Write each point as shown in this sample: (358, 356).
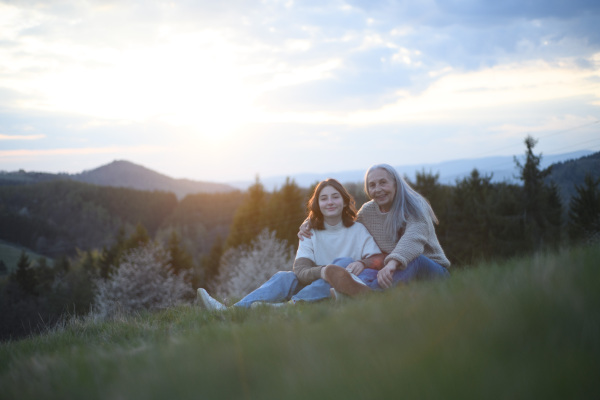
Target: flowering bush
(243, 269)
(143, 281)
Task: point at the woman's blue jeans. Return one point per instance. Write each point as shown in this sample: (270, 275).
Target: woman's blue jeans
(421, 268)
(284, 285)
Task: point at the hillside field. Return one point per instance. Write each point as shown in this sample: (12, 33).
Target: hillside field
(528, 328)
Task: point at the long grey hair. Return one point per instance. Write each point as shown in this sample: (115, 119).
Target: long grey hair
(406, 202)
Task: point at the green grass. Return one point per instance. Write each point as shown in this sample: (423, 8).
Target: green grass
(527, 328)
(10, 253)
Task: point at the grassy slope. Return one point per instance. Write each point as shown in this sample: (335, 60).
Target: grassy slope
(529, 328)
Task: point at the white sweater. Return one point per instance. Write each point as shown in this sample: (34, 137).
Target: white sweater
(333, 242)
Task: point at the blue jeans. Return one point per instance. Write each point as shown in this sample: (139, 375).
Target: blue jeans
(284, 286)
(421, 268)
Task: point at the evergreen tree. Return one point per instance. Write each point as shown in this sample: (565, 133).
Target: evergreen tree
(45, 275)
(584, 211)
(25, 275)
(285, 211)
(62, 265)
(110, 255)
(139, 238)
(89, 263)
(535, 205)
(471, 219)
(210, 262)
(554, 215)
(249, 219)
(178, 258)
(3, 268)
(427, 184)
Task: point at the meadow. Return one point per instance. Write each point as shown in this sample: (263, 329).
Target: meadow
(524, 328)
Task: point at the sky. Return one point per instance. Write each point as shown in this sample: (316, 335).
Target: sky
(230, 90)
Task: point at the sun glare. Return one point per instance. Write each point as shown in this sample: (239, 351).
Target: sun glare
(193, 81)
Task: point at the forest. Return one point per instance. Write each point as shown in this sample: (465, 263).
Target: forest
(84, 233)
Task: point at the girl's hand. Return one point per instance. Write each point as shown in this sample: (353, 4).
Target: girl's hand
(355, 268)
(384, 276)
(304, 231)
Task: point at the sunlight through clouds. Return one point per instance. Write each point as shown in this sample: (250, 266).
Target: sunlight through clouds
(262, 83)
(489, 88)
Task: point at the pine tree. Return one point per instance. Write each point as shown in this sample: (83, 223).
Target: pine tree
(45, 275)
(210, 263)
(584, 211)
(139, 238)
(248, 221)
(89, 263)
(3, 268)
(110, 255)
(62, 265)
(534, 195)
(554, 216)
(25, 275)
(178, 258)
(285, 211)
(473, 208)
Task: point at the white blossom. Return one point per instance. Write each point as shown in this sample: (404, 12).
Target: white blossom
(244, 269)
(143, 281)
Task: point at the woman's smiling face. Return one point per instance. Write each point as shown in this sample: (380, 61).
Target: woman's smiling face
(382, 188)
(331, 204)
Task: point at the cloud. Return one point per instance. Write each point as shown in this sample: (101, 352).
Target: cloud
(214, 76)
(80, 151)
(21, 137)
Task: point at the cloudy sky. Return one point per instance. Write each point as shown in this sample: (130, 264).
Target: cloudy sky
(226, 90)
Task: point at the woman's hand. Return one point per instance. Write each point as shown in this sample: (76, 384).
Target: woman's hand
(355, 267)
(304, 231)
(384, 276)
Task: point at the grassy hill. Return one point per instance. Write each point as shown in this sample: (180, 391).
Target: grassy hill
(527, 328)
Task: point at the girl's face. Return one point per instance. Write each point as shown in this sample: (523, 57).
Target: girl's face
(382, 188)
(331, 204)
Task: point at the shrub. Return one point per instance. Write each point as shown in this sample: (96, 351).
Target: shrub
(243, 269)
(143, 281)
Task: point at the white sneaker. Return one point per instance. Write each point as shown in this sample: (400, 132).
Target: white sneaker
(357, 279)
(208, 302)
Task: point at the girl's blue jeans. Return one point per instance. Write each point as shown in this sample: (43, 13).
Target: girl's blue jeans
(284, 285)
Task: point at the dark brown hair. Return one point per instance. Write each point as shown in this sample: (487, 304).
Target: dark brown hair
(315, 215)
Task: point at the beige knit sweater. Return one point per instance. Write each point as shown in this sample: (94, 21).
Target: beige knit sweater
(417, 237)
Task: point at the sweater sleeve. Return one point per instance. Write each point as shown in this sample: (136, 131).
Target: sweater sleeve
(306, 270)
(412, 243)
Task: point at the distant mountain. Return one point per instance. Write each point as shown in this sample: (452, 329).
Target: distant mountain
(502, 168)
(569, 174)
(122, 173)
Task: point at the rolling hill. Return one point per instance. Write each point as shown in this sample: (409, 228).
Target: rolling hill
(123, 173)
